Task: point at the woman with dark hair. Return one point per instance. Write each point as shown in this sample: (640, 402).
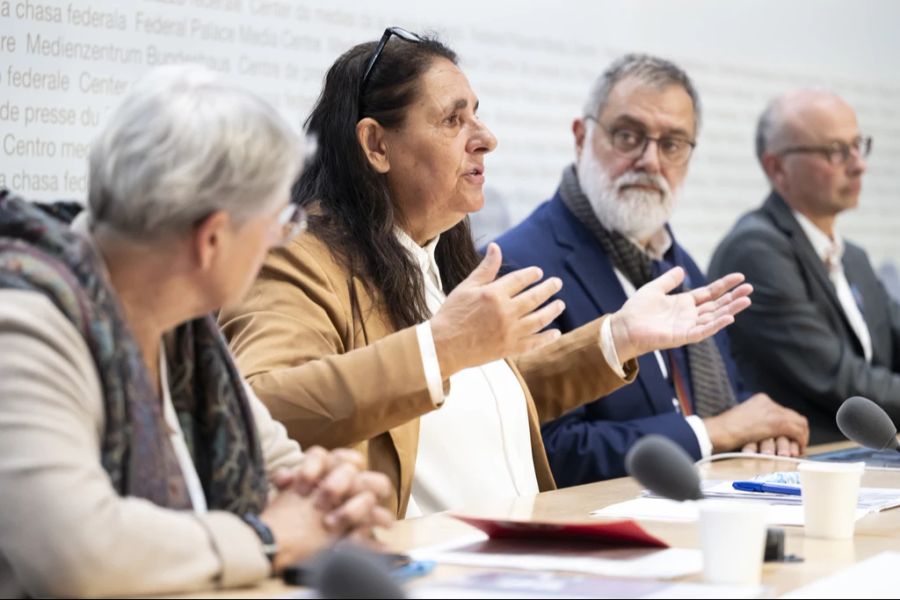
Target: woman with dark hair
(383, 330)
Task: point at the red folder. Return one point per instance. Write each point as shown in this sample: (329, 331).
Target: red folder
(614, 533)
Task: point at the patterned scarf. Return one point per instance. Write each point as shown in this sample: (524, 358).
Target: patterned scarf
(40, 253)
(711, 386)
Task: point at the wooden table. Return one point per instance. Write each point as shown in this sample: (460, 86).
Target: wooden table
(874, 533)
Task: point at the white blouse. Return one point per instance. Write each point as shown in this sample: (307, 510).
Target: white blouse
(477, 445)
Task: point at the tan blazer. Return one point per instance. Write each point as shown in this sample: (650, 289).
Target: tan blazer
(325, 359)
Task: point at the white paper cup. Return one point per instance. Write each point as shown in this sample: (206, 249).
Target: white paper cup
(733, 539)
(830, 496)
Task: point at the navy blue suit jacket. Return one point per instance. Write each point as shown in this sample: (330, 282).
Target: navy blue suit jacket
(590, 443)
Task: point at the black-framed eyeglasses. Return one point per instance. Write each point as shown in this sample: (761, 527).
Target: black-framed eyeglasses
(401, 33)
(632, 143)
(837, 153)
(292, 221)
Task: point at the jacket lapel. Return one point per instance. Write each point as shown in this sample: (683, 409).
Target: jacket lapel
(590, 266)
(783, 218)
(855, 266)
(542, 470)
(369, 326)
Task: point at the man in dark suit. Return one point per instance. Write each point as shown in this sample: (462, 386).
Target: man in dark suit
(605, 233)
(822, 327)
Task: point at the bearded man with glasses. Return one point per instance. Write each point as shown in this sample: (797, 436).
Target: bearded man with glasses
(605, 233)
(822, 328)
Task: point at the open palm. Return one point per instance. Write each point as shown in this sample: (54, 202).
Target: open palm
(654, 319)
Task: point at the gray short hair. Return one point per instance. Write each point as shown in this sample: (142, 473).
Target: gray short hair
(183, 144)
(646, 68)
(770, 121)
(777, 123)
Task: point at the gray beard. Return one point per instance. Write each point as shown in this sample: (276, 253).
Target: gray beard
(635, 213)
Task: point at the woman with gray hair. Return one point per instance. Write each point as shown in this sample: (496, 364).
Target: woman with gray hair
(134, 459)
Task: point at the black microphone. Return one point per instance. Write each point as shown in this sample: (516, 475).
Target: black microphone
(347, 571)
(867, 424)
(664, 468)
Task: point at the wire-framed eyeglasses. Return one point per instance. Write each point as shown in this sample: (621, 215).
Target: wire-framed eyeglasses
(632, 142)
(837, 153)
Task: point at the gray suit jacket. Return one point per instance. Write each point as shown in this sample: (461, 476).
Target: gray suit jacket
(794, 342)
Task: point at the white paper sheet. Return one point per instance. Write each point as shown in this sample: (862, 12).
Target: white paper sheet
(659, 564)
(545, 584)
(871, 578)
(659, 509)
(871, 499)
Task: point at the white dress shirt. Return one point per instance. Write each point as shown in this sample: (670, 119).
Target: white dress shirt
(656, 248)
(831, 251)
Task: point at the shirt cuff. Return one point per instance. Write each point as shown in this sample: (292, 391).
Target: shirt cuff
(703, 440)
(430, 363)
(608, 347)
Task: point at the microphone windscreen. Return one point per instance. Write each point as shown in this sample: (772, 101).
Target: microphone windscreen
(866, 423)
(348, 571)
(664, 468)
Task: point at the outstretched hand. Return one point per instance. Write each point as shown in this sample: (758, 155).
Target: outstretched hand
(487, 317)
(654, 319)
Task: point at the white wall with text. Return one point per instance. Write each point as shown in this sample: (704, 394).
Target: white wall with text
(64, 64)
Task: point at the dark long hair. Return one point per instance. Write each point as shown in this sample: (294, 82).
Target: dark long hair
(357, 213)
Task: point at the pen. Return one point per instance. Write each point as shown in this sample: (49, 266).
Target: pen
(415, 568)
(772, 488)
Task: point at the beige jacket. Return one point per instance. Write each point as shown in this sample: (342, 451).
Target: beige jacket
(64, 531)
(329, 365)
